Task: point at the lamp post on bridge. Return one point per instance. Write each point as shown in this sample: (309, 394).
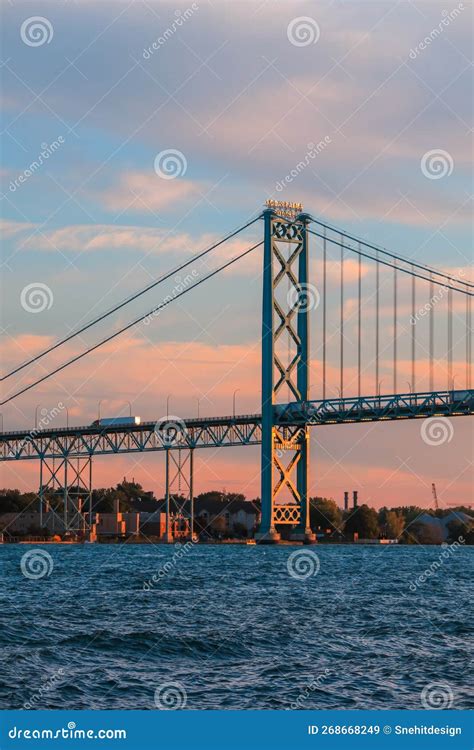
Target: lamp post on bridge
(36, 415)
(233, 401)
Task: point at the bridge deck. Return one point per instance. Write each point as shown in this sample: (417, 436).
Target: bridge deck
(227, 431)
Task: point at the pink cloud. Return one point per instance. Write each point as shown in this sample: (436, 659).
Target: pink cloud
(144, 192)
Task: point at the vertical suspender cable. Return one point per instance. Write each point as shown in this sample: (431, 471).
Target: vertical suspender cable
(359, 328)
(341, 345)
(450, 339)
(377, 331)
(395, 327)
(324, 314)
(431, 335)
(468, 342)
(413, 326)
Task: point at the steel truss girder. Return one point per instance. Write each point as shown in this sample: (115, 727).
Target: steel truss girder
(92, 441)
(377, 408)
(85, 442)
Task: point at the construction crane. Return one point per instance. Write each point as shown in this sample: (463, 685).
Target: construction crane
(435, 495)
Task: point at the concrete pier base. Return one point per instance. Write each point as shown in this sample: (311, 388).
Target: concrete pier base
(269, 537)
(306, 536)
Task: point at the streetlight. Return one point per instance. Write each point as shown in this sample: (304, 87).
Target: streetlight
(453, 379)
(233, 400)
(129, 407)
(168, 404)
(36, 415)
(1, 415)
(67, 417)
(98, 409)
(198, 400)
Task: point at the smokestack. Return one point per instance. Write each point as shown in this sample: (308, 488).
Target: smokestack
(346, 501)
(354, 498)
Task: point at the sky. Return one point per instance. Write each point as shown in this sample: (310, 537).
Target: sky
(238, 92)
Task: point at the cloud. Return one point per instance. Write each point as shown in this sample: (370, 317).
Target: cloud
(108, 237)
(12, 228)
(140, 192)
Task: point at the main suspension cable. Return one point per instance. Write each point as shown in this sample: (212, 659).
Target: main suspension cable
(129, 325)
(126, 301)
(391, 265)
(409, 261)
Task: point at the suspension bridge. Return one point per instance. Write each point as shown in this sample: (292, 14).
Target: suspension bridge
(379, 316)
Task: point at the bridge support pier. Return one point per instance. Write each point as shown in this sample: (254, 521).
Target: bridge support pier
(70, 478)
(182, 478)
(285, 368)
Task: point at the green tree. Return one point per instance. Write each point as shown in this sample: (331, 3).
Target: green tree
(464, 529)
(324, 513)
(364, 522)
(391, 523)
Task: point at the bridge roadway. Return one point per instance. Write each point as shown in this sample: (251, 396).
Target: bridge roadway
(212, 432)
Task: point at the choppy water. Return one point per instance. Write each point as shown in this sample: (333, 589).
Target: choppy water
(234, 628)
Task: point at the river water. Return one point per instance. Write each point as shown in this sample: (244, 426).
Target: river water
(234, 627)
